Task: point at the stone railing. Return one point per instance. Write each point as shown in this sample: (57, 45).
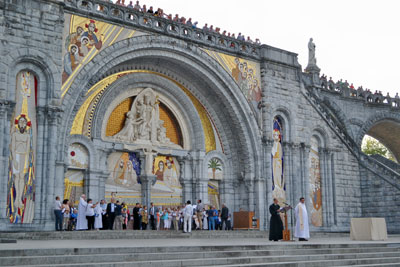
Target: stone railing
(378, 168)
(113, 13)
(343, 89)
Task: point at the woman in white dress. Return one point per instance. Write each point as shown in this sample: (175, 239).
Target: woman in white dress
(98, 218)
(205, 221)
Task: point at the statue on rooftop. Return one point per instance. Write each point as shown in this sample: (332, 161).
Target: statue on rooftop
(311, 53)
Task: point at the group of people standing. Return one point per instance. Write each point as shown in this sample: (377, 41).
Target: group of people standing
(116, 216)
(301, 231)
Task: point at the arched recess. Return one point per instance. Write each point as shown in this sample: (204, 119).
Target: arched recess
(315, 179)
(87, 143)
(46, 74)
(385, 127)
(321, 185)
(201, 74)
(170, 95)
(217, 169)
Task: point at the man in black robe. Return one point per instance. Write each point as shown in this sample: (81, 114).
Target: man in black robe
(136, 218)
(275, 225)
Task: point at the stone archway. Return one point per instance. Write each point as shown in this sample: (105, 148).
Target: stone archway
(385, 127)
(197, 72)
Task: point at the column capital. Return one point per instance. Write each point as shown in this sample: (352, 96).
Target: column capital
(148, 178)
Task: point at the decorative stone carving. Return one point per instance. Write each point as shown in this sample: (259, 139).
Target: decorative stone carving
(143, 124)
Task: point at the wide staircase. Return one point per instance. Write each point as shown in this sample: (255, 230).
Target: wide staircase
(273, 254)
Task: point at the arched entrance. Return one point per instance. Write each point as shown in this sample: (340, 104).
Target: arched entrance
(181, 74)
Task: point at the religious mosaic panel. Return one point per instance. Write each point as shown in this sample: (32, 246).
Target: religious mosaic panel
(213, 193)
(215, 169)
(278, 178)
(124, 182)
(73, 185)
(246, 73)
(167, 191)
(23, 134)
(315, 184)
(83, 39)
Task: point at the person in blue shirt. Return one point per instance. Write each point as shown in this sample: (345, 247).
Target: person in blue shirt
(212, 216)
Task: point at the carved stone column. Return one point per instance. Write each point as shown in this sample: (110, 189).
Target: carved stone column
(6, 109)
(249, 183)
(53, 118)
(147, 182)
(41, 186)
(268, 169)
(297, 174)
(328, 187)
(184, 179)
(306, 180)
(259, 186)
(147, 177)
(228, 194)
(263, 103)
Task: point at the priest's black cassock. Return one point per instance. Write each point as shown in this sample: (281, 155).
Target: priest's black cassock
(275, 225)
(136, 218)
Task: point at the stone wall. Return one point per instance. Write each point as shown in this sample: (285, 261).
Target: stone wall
(31, 33)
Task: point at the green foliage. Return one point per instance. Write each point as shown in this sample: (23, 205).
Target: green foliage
(214, 164)
(371, 146)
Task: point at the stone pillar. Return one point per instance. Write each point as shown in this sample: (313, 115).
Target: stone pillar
(249, 183)
(228, 194)
(201, 190)
(60, 170)
(268, 169)
(186, 177)
(259, 185)
(53, 119)
(306, 181)
(102, 155)
(40, 188)
(264, 99)
(147, 177)
(147, 182)
(297, 174)
(6, 110)
(327, 186)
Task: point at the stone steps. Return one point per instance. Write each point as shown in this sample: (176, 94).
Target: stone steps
(297, 254)
(130, 234)
(127, 234)
(274, 255)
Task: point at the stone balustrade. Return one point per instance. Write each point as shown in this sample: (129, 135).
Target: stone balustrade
(343, 89)
(128, 16)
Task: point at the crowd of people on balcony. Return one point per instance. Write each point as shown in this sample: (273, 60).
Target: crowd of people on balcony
(118, 216)
(194, 24)
(348, 89)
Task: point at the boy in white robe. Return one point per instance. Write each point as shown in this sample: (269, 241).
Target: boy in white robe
(98, 217)
(302, 230)
(81, 223)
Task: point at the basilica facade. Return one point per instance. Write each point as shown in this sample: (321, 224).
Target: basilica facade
(103, 100)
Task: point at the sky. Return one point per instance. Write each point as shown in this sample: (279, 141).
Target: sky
(357, 41)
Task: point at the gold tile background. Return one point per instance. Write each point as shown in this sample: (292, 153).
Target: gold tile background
(117, 119)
